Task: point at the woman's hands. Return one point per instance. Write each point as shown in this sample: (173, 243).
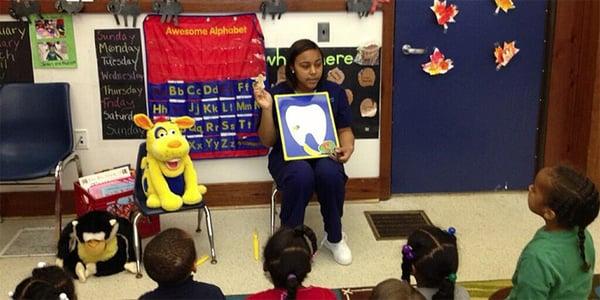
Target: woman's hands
(343, 153)
(262, 97)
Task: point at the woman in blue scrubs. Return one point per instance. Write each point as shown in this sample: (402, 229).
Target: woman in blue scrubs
(297, 180)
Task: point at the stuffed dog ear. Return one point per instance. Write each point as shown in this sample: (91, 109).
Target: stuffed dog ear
(142, 121)
(184, 122)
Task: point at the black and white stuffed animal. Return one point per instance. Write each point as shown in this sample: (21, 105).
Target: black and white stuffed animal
(97, 243)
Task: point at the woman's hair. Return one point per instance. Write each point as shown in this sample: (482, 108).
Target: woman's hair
(434, 256)
(394, 289)
(170, 256)
(296, 49)
(46, 283)
(288, 255)
(574, 199)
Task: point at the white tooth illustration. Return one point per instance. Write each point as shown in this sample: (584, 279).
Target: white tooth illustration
(304, 120)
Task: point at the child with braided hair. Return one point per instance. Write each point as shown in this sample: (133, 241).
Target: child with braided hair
(288, 258)
(46, 283)
(431, 256)
(558, 263)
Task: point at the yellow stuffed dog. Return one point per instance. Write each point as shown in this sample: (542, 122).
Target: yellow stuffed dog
(167, 168)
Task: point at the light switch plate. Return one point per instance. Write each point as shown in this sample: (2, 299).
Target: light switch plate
(323, 32)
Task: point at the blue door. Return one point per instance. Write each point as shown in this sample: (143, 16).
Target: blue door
(475, 127)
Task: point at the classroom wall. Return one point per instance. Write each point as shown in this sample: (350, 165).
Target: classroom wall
(346, 30)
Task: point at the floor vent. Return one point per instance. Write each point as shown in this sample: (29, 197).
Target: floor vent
(395, 225)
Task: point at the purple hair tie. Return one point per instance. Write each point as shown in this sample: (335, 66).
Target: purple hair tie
(407, 250)
(291, 276)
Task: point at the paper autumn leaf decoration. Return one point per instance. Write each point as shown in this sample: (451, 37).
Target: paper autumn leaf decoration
(504, 5)
(437, 64)
(443, 13)
(505, 54)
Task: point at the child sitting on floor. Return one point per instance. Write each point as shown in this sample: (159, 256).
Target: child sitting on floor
(430, 255)
(170, 259)
(558, 263)
(46, 283)
(287, 258)
(395, 289)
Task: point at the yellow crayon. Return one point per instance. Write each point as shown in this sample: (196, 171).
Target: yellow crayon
(255, 244)
(201, 260)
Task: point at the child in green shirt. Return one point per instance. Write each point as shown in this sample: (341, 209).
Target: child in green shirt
(558, 263)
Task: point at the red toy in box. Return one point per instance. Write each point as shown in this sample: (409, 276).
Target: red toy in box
(120, 204)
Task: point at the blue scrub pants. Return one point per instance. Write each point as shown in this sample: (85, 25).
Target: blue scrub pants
(297, 181)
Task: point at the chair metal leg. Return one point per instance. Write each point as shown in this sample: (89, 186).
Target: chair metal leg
(209, 229)
(137, 244)
(198, 229)
(273, 212)
(57, 209)
(58, 188)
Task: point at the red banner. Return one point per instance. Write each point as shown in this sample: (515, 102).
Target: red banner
(202, 69)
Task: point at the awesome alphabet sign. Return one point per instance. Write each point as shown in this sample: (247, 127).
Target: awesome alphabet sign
(203, 69)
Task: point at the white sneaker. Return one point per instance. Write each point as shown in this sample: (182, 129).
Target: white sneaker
(340, 250)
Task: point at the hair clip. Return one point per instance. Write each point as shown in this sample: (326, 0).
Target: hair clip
(291, 276)
(451, 230)
(63, 296)
(41, 264)
(452, 277)
(407, 250)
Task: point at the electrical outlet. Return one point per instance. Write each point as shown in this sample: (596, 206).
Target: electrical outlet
(323, 32)
(80, 137)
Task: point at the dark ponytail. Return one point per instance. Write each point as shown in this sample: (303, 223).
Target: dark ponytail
(46, 283)
(288, 256)
(575, 201)
(433, 254)
(446, 290)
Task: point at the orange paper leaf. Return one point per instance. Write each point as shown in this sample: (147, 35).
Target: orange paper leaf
(504, 54)
(437, 64)
(504, 5)
(443, 13)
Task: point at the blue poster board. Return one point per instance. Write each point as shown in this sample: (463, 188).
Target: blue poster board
(306, 125)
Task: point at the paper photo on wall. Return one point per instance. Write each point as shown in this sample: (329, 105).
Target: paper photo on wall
(306, 125)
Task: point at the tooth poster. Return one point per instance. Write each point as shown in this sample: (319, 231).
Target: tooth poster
(53, 41)
(306, 125)
(359, 78)
(203, 69)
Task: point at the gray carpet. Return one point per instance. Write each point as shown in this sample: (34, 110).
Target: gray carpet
(31, 241)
